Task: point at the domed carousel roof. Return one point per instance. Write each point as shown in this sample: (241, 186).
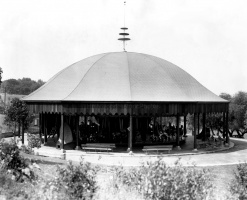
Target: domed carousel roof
(123, 77)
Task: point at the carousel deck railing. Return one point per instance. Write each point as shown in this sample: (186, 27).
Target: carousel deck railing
(98, 146)
(157, 148)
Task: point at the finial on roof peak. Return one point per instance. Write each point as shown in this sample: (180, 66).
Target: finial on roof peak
(124, 34)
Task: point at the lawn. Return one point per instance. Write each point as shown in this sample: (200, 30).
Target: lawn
(222, 176)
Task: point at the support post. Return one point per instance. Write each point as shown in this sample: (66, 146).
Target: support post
(62, 132)
(45, 128)
(204, 125)
(177, 133)
(77, 132)
(154, 125)
(224, 125)
(130, 134)
(40, 125)
(227, 134)
(195, 127)
(198, 121)
(185, 128)
(58, 126)
(22, 139)
(19, 129)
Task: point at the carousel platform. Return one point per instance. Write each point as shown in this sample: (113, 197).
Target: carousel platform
(137, 157)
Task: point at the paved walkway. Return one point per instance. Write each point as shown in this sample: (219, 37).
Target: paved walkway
(234, 154)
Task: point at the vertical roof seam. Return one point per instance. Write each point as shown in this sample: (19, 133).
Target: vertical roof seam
(187, 75)
(158, 64)
(84, 76)
(48, 82)
(129, 76)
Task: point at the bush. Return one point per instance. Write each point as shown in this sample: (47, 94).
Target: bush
(10, 155)
(118, 185)
(238, 186)
(39, 189)
(12, 161)
(26, 149)
(78, 182)
(12, 189)
(33, 141)
(158, 181)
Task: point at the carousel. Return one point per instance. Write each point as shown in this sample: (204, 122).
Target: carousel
(126, 98)
(123, 97)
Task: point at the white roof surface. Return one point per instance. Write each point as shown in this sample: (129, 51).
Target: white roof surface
(123, 76)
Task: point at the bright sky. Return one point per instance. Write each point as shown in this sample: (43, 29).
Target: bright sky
(206, 38)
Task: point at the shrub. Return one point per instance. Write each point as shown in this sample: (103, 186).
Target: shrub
(131, 177)
(156, 180)
(26, 149)
(238, 186)
(118, 185)
(78, 182)
(39, 189)
(10, 155)
(33, 141)
(12, 161)
(12, 189)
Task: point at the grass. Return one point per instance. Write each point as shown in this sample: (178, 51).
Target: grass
(222, 176)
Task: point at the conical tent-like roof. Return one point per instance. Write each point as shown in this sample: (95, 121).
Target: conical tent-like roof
(123, 77)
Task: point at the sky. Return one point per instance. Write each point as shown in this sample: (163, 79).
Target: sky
(206, 38)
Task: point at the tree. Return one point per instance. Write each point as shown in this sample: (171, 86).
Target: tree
(225, 96)
(237, 114)
(12, 86)
(22, 86)
(215, 122)
(237, 118)
(245, 120)
(16, 114)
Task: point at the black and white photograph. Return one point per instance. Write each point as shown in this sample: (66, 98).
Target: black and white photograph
(123, 99)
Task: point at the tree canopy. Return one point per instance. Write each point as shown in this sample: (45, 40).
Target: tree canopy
(238, 113)
(22, 86)
(17, 113)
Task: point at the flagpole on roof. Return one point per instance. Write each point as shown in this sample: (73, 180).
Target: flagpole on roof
(124, 34)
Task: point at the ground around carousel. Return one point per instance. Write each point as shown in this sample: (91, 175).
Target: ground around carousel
(220, 161)
(234, 153)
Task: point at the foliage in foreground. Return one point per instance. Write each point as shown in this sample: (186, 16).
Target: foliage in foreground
(75, 181)
(14, 163)
(154, 180)
(17, 174)
(12, 189)
(71, 181)
(157, 180)
(33, 141)
(238, 187)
